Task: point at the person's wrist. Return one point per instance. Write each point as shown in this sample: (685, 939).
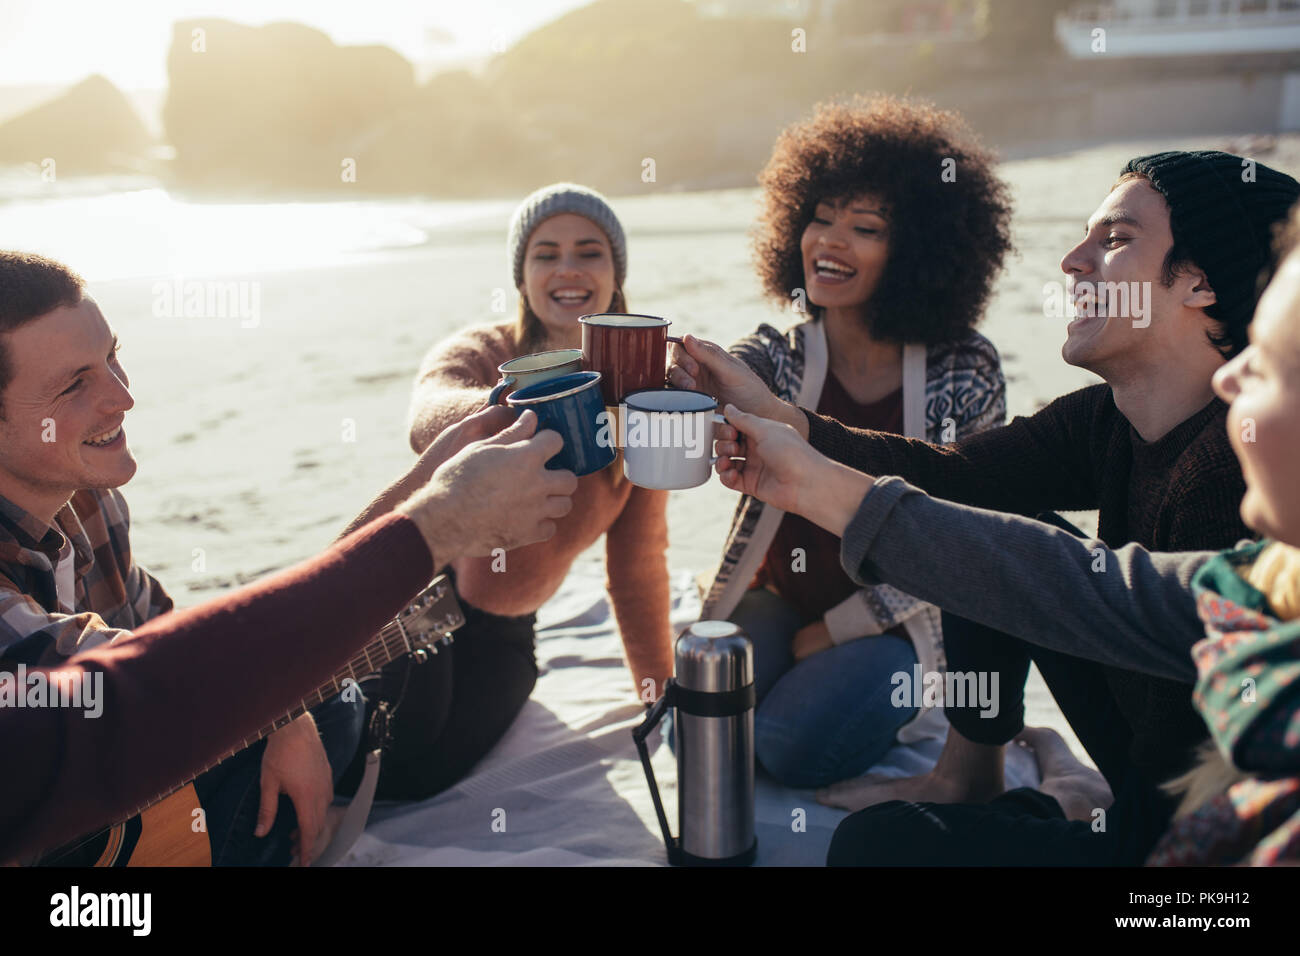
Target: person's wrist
(429, 512)
(791, 415)
(834, 493)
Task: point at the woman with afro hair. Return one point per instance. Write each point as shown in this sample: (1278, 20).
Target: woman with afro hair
(885, 224)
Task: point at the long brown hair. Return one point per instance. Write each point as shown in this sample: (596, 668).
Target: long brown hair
(530, 333)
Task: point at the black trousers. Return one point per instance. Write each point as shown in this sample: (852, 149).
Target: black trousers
(1022, 827)
(453, 707)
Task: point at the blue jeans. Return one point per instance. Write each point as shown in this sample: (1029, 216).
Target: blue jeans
(230, 793)
(829, 716)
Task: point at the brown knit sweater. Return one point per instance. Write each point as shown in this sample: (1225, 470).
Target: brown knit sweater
(453, 382)
(1180, 493)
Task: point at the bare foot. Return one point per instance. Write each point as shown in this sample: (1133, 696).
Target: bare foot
(965, 772)
(1079, 789)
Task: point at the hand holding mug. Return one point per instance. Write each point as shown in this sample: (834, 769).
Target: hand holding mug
(484, 423)
(494, 493)
(414, 483)
(707, 367)
(783, 470)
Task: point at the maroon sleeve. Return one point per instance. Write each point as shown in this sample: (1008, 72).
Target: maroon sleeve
(190, 685)
(1032, 464)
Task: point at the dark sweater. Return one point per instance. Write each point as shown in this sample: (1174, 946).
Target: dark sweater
(190, 685)
(1181, 493)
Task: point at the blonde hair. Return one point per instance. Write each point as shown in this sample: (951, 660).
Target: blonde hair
(1275, 573)
(1212, 775)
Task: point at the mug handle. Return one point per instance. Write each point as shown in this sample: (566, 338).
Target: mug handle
(718, 419)
(500, 387)
(639, 734)
(678, 340)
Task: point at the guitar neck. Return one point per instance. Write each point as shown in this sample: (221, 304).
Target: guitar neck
(391, 643)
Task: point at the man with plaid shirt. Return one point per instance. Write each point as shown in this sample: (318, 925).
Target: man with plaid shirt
(67, 578)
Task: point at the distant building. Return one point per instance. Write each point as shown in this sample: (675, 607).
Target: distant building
(755, 9)
(1140, 28)
(887, 20)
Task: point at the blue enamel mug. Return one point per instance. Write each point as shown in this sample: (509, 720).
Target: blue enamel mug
(571, 405)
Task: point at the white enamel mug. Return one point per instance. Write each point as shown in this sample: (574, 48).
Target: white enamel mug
(667, 437)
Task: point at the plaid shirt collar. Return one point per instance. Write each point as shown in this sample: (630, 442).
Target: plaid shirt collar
(26, 540)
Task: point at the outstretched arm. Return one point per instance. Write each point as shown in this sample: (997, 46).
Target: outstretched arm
(1128, 608)
(1125, 607)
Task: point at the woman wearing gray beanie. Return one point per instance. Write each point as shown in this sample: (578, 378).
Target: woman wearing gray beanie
(548, 309)
(569, 258)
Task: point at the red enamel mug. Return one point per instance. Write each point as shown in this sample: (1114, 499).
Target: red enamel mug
(629, 351)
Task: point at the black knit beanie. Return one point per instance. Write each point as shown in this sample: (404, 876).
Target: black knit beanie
(1222, 210)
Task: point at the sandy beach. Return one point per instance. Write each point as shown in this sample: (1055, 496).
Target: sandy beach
(259, 440)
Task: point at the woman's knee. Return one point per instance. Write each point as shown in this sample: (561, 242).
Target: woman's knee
(805, 756)
(802, 754)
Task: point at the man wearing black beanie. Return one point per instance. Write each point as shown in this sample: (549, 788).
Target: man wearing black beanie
(1222, 213)
(1164, 284)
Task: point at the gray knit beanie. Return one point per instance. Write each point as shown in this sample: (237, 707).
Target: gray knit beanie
(561, 198)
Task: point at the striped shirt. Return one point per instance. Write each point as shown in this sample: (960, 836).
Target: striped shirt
(41, 623)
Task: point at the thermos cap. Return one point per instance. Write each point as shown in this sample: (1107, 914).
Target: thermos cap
(714, 656)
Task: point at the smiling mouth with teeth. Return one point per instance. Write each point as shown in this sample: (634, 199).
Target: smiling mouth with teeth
(1088, 306)
(571, 296)
(829, 269)
(107, 438)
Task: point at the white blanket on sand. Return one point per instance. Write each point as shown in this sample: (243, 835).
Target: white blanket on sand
(565, 787)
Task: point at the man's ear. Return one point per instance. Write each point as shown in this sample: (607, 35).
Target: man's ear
(1199, 294)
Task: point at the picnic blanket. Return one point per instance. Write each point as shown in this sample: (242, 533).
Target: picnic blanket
(564, 786)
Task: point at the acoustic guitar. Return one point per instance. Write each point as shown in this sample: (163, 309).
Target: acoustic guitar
(163, 831)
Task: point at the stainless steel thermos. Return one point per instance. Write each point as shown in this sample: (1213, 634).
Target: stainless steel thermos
(713, 699)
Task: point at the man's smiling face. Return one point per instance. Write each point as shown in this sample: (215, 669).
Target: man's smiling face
(1125, 245)
(63, 410)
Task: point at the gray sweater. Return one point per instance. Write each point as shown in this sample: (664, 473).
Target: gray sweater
(1134, 611)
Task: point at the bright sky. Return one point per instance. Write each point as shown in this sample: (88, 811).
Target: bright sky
(62, 41)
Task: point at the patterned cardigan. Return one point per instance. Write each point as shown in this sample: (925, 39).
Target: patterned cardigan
(962, 390)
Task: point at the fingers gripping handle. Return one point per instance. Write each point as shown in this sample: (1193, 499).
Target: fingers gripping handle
(718, 419)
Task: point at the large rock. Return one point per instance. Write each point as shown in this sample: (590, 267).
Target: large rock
(275, 108)
(456, 138)
(90, 128)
